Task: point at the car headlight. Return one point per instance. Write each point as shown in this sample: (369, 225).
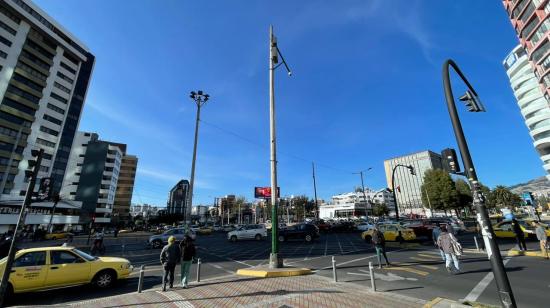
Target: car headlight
(126, 265)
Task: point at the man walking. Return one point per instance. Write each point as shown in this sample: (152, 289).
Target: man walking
(520, 237)
(449, 244)
(169, 257)
(379, 243)
(436, 232)
(188, 252)
(543, 239)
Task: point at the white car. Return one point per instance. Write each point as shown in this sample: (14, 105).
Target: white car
(257, 232)
(157, 241)
(364, 226)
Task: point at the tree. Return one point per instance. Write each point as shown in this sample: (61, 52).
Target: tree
(440, 188)
(504, 197)
(380, 209)
(464, 194)
(302, 205)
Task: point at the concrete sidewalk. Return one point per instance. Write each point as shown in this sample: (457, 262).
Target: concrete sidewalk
(235, 291)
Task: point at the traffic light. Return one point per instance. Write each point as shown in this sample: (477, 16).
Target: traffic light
(411, 170)
(472, 102)
(34, 165)
(45, 191)
(450, 161)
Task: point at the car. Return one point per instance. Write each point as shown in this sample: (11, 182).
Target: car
(364, 226)
(546, 226)
(307, 232)
(323, 225)
(504, 229)
(228, 228)
(44, 268)
(57, 235)
(157, 241)
(205, 230)
(392, 232)
(195, 228)
(217, 228)
(257, 232)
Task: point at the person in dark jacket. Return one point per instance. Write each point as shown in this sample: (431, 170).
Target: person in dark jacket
(169, 257)
(5, 243)
(379, 243)
(188, 252)
(445, 242)
(520, 237)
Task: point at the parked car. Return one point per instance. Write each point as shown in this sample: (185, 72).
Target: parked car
(205, 230)
(392, 232)
(217, 227)
(257, 232)
(44, 268)
(323, 226)
(343, 226)
(307, 232)
(195, 228)
(57, 235)
(364, 226)
(157, 241)
(504, 229)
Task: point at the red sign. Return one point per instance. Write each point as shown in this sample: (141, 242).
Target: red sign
(265, 192)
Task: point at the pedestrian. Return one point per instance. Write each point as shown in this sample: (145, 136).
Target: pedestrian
(169, 257)
(452, 249)
(188, 252)
(543, 239)
(481, 241)
(379, 243)
(115, 232)
(436, 232)
(520, 237)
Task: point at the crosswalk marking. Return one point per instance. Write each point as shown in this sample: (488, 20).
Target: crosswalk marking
(422, 259)
(429, 256)
(409, 269)
(429, 267)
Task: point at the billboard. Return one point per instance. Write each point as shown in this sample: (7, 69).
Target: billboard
(265, 192)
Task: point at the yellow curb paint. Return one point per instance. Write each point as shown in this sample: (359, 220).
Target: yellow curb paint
(433, 302)
(429, 256)
(429, 267)
(422, 259)
(408, 269)
(268, 273)
(513, 252)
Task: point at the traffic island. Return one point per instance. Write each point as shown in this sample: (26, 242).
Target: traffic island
(266, 272)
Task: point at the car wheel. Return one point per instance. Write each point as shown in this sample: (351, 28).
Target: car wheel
(309, 238)
(53, 238)
(399, 239)
(157, 243)
(281, 238)
(104, 279)
(233, 238)
(258, 237)
(368, 238)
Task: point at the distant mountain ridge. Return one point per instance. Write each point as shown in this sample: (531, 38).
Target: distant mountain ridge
(537, 184)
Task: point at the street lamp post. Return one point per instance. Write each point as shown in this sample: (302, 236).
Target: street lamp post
(363, 189)
(274, 259)
(200, 99)
(411, 170)
(472, 101)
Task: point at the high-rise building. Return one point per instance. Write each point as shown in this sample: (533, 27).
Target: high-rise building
(125, 187)
(408, 192)
(177, 198)
(530, 20)
(531, 101)
(92, 177)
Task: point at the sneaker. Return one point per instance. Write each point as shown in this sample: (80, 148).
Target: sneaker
(449, 270)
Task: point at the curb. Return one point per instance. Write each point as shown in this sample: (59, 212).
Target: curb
(514, 253)
(443, 302)
(270, 273)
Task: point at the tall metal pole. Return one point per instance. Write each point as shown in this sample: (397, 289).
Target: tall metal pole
(274, 260)
(192, 180)
(364, 195)
(315, 192)
(18, 226)
(393, 191)
(503, 284)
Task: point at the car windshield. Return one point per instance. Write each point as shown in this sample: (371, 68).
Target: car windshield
(85, 255)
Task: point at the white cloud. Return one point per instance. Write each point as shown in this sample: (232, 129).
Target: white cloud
(159, 175)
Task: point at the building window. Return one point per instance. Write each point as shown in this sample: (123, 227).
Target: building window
(31, 84)
(529, 27)
(5, 41)
(45, 142)
(10, 15)
(55, 108)
(47, 156)
(15, 90)
(13, 119)
(59, 98)
(49, 131)
(52, 119)
(61, 87)
(64, 77)
(70, 69)
(18, 106)
(39, 49)
(7, 28)
(31, 71)
(540, 52)
(35, 60)
(44, 169)
(3, 54)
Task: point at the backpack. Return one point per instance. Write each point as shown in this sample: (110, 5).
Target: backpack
(457, 248)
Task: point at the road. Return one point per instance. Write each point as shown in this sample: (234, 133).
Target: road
(418, 270)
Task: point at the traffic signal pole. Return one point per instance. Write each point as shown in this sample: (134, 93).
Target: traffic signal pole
(19, 226)
(503, 284)
(274, 258)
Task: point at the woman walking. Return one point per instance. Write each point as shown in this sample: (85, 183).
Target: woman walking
(188, 252)
(448, 243)
(543, 239)
(379, 243)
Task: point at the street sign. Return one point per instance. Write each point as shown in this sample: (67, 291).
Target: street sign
(265, 192)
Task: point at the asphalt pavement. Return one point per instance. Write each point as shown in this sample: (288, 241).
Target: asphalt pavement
(417, 270)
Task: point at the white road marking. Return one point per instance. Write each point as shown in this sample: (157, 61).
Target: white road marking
(352, 244)
(326, 244)
(360, 259)
(482, 285)
(309, 252)
(220, 268)
(339, 244)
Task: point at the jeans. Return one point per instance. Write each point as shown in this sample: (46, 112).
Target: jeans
(185, 267)
(442, 255)
(521, 242)
(168, 276)
(543, 249)
(448, 257)
(381, 250)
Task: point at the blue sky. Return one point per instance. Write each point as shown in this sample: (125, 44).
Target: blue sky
(366, 86)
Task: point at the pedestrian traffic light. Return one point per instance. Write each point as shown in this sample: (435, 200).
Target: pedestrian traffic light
(411, 170)
(472, 102)
(450, 161)
(34, 165)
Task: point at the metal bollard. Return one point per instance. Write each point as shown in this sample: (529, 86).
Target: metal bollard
(199, 270)
(141, 275)
(334, 269)
(371, 271)
(123, 249)
(475, 240)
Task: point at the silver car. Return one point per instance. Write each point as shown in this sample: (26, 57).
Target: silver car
(159, 240)
(257, 232)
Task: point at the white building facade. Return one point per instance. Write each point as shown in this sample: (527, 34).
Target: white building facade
(534, 107)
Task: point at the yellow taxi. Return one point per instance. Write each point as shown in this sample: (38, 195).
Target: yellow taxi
(392, 232)
(44, 268)
(504, 229)
(205, 230)
(56, 235)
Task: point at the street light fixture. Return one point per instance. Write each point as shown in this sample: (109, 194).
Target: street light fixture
(363, 189)
(474, 105)
(200, 99)
(412, 171)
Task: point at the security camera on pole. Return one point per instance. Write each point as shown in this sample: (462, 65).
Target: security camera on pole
(275, 261)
